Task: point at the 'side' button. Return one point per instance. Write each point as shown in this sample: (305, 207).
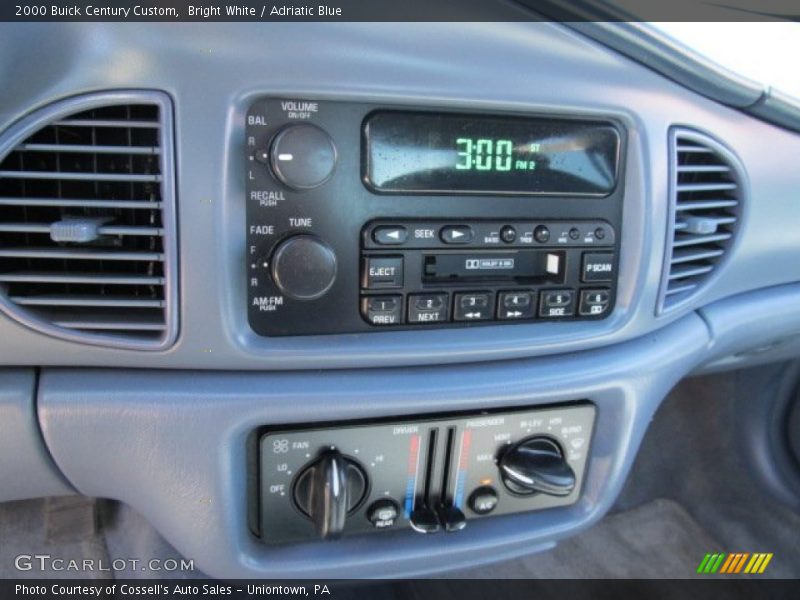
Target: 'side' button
(556, 304)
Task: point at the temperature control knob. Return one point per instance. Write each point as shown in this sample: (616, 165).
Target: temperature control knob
(302, 156)
(304, 267)
(537, 464)
(329, 489)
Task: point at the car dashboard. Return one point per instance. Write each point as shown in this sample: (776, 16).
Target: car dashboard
(450, 270)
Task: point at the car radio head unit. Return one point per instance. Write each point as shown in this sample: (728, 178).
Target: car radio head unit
(368, 217)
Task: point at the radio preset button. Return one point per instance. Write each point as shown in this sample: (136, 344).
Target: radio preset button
(594, 303)
(390, 235)
(383, 272)
(456, 234)
(303, 156)
(473, 306)
(382, 310)
(428, 308)
(597, 266)
(556, 304)
(516, 305)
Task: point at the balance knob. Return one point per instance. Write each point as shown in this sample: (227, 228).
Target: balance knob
(537, 464)
(329, 489)
(302, 156)
(304, 267)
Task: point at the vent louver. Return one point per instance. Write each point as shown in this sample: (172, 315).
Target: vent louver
(706, 195)
(87, 221)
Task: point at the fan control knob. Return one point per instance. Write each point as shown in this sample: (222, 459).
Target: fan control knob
(329, 489)
(536, 465)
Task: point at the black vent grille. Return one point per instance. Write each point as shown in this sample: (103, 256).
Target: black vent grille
(705, 204)
(83, 243)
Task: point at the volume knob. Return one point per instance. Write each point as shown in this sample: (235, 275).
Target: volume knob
(304, 267)
(303, 156)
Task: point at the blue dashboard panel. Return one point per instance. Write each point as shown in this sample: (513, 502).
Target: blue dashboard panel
(214, 72)
(26, 468)
(175, 446)
(169, 432)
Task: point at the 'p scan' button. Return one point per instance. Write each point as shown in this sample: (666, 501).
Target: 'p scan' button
(598, 267)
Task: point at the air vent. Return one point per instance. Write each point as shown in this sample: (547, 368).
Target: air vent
(706, 195)
(87, 221)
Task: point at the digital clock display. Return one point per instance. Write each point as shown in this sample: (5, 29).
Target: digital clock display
(414, 152)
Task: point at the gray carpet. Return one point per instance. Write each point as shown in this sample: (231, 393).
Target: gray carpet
(655, 540)
(692, 454)
(55, 527)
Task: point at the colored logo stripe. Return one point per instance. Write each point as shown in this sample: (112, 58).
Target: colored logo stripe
(734, 563)
(711, 563)
(758, 563)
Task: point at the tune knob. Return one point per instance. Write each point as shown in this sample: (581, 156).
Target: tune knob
(302, 156)
(329, 489)
(537, 464)
(304, 267)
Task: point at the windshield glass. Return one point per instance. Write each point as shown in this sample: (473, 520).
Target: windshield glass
(764, 52)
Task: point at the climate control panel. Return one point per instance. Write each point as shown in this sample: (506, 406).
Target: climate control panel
(427, 476)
